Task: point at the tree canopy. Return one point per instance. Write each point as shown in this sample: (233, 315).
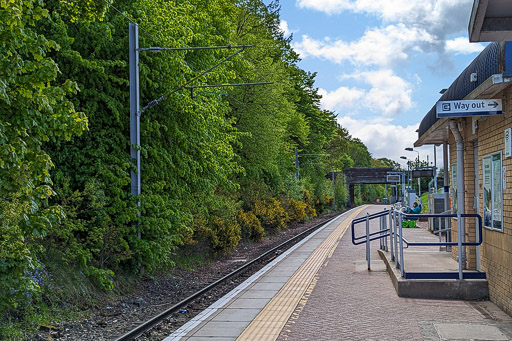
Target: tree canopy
(217, 163)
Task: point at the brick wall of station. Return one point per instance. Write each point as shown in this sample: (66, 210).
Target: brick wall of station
(496, 249)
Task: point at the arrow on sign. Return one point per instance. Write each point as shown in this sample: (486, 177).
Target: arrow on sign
(493, 104)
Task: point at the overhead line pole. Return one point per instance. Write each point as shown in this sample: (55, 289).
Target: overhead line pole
(134, 112)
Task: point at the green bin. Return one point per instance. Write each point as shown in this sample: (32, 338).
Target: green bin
(409, 223)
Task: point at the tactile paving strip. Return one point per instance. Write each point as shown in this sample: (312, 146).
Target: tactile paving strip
(271, 320)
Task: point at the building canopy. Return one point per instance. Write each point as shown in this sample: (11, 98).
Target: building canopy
(493, 69)
(491, 20)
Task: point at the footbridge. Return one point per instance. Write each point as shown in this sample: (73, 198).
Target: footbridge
(356, 176)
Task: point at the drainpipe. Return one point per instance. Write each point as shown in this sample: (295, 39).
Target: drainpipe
(446, 182)
(460, 190)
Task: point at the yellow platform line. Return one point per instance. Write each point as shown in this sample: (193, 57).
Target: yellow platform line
(272, 319)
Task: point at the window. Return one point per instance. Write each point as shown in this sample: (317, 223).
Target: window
(493, 192)
(454, 188)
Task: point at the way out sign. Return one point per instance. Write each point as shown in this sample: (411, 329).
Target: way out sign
(478, 107)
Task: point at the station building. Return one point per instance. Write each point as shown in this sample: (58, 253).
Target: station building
(482, 144)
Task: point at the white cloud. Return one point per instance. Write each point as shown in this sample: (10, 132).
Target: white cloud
(327, 6)
(461, 45)
(388, 94)
(384, 139)
(342, 97)
(283, 25)
(436, 14)
(434, 18)
(380, 46)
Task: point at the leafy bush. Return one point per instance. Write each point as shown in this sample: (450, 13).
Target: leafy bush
(293, 187)
(310, 211)
(341, 193)
(17, 262)
(296, 210)
(222, 235)
(87, 238)
(271, 214)
(251, 226)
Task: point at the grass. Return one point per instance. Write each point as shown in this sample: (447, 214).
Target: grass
(424, 202)
(45, 315)
(66, 296)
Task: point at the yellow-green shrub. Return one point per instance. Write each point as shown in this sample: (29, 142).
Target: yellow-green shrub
(310, 211)
(271, 214)
(296, 210)
(251, 226)
(221, 234)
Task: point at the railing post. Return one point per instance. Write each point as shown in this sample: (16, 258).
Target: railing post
(439, 229)
(381, 225)
(391, 233)
(385, 227)
(395, 236)
(402, 272)
(368, 239)
(460, 237)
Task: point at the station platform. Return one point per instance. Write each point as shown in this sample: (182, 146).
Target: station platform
(321, 289)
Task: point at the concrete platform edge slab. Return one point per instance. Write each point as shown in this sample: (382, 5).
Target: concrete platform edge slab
(435, 289)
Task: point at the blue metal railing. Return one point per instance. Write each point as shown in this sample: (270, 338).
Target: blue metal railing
(363, 219)
(464, 215)
(397, 241)
(368, 237)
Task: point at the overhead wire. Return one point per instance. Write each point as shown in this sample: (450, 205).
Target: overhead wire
(250, 62)
(133, 21)
(158, 100)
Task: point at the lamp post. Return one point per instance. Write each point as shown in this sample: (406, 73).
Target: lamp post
(408, 170)
(409, 149)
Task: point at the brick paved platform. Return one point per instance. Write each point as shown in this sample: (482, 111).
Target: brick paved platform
(348, 302)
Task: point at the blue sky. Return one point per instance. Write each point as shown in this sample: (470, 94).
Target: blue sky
(381, 63)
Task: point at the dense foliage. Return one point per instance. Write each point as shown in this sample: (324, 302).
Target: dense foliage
(217, 163)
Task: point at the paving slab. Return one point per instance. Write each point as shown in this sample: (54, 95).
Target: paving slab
(466, 331)
(237, 315)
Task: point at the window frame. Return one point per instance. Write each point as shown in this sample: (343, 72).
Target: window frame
(490, 158)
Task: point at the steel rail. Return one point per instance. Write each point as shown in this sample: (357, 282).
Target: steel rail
(150, 324)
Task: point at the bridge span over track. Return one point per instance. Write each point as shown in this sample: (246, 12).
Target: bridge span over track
(355, 176)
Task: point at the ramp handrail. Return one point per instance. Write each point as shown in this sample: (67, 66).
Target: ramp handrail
(450, 215)
(397, 240)
(382, 233)
(363, 219)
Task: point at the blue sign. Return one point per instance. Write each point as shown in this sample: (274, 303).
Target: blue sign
(464, 108)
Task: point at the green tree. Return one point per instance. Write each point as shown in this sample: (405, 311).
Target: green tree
(35, 108)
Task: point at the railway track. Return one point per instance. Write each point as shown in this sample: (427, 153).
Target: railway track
(229, 281)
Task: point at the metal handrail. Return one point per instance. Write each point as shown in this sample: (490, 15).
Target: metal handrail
(383, 232)
(463, 215)
(374, 238)
(371, 234)
(397, 240)
(363, 219)
(371, 216)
